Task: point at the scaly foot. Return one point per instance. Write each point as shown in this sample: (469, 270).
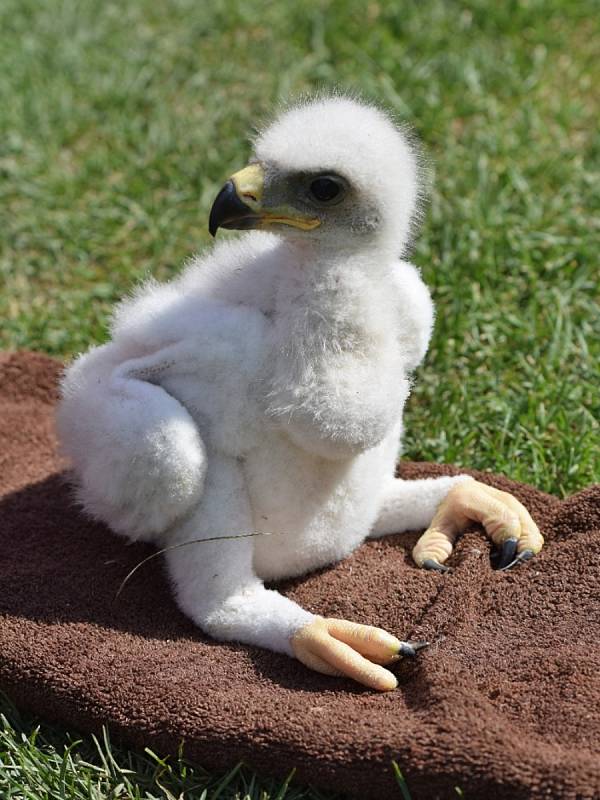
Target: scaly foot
(338, 647)
(507, 522)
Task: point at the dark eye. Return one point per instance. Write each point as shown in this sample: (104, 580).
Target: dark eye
(325, 188)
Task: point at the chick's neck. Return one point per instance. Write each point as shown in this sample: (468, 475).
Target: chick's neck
(342, 298)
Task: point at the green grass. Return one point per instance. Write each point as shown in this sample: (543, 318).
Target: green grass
(50, 764)
(119, 121)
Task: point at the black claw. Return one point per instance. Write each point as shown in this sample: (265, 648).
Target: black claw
(411, 649)
(524, 556)
(507, 552)
(431, 563)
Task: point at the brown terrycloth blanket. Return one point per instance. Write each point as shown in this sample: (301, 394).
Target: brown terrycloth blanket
(505, 703)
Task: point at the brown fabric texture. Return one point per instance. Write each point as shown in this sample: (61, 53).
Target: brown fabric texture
(505, 703)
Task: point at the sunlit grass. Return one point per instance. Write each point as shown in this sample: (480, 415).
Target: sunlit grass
(43, 762)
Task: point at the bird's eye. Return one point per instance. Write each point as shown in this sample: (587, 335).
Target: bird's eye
(325, 188)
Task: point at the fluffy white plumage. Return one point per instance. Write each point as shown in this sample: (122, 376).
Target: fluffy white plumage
(263, 389)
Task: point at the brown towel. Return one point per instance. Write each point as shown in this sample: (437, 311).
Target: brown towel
(504, 704)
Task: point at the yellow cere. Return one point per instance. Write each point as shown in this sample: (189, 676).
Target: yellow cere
(249, 185)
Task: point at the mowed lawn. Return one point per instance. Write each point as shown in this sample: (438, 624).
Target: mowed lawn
(119, 122)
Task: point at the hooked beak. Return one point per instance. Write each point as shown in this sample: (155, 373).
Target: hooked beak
(239, 205)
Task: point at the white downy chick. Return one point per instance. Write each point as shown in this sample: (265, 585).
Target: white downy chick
(263, 388)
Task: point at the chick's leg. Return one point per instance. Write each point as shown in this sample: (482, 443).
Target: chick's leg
(216, 586)
(445, 506)
(410, 505)
(214, 581)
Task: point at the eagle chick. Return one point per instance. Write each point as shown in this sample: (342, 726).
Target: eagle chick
(262, 390)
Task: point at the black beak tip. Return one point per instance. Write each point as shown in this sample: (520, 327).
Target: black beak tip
(228, 211)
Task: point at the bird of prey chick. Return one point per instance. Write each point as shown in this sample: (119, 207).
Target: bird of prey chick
(262, 390)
